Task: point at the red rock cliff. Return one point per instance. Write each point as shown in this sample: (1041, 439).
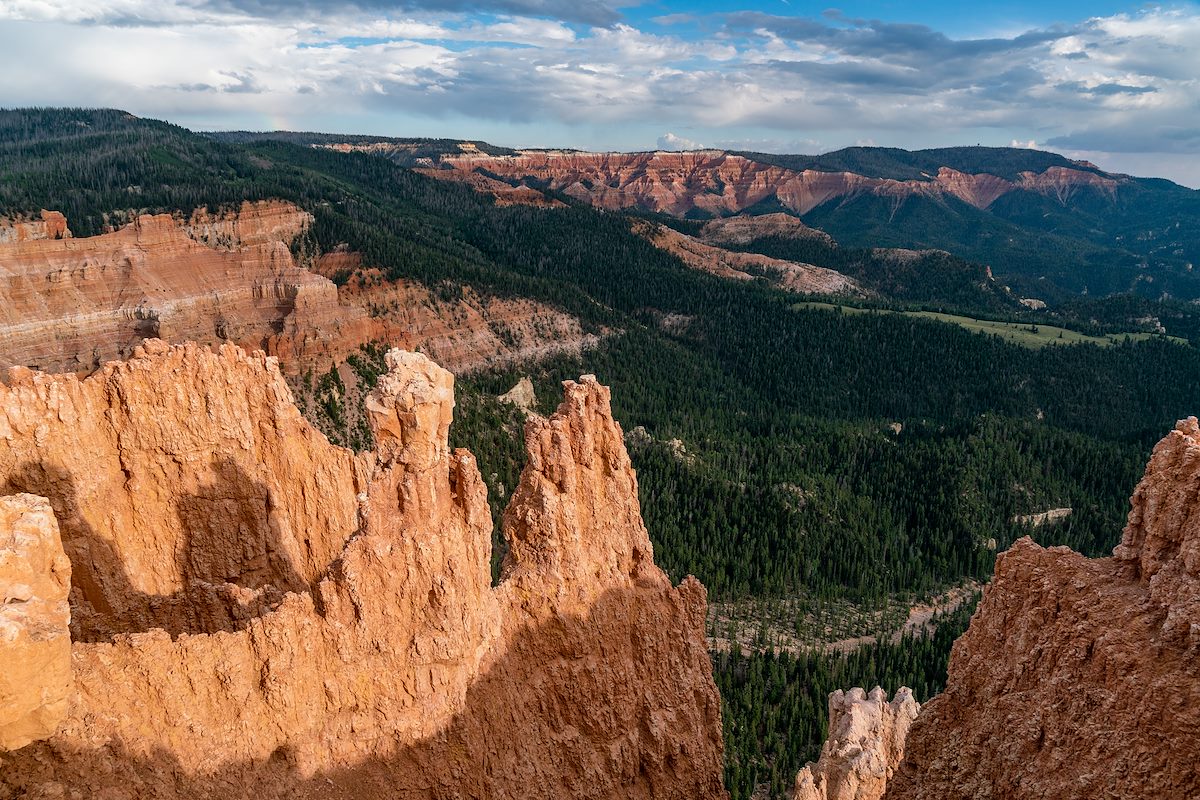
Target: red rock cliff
(258, 613)
(69, 305)
(1078, 677)
(721, 183)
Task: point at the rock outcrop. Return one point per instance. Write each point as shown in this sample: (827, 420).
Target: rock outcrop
(719, 183)
(463, 332)
(48, 225)
(522, 395)
(256, 612)
(745, 228)
(865, 745)
(1078, 677)
(790, 275)
(35, 645)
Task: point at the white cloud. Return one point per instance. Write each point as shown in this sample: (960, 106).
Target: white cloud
(1127, 83)
(669, 141)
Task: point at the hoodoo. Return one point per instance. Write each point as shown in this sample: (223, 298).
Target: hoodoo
(257, 612)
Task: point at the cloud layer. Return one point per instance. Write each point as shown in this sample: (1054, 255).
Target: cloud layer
(579, 71)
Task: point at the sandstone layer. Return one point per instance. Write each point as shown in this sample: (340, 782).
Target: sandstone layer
(865, 745)
(35, 645)
(745, 228)
(1077, 676)
(721, 184)
(69, 305)
(256, 612)
(790, 275)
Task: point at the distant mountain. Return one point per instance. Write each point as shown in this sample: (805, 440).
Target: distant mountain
(406, 152)
(1048, 225)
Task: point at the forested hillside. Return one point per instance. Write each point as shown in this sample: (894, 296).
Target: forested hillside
(783, 452)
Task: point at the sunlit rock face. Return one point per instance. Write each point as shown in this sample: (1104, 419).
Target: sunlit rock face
(255, 612)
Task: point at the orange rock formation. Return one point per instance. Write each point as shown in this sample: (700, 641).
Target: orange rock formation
(720, 183)
(50, 225)
(69, 305)
(865, 745)
(1078, 677)
(255, 612)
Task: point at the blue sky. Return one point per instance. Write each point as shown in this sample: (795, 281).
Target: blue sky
(1116, 83)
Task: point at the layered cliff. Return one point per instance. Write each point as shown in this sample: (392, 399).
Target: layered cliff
(1077, 676)
(48, 225)
(720, 184)
(464, 332)
(70, 304)
(255, 611)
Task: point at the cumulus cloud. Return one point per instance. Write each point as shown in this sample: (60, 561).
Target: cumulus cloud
(669, 141)
(802, 146)
(1126, 83)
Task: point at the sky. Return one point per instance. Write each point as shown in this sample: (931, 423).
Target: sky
(1115, 83)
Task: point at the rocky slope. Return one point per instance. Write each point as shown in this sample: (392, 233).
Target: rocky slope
(464, 331)
(1077, 676)
(257, 612)
(719, 184)
(791, 275)
(746, 228)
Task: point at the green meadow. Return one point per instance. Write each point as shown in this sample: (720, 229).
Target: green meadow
(1022, 333)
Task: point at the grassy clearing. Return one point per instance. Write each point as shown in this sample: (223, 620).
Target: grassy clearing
(1024, 334)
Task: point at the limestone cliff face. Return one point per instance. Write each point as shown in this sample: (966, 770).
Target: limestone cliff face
(721, 183)
(1077, 677)
(257, 612)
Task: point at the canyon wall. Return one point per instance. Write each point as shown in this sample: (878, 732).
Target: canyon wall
(1077, 676)
(721, 184)
(70, 304)
(257, 612)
